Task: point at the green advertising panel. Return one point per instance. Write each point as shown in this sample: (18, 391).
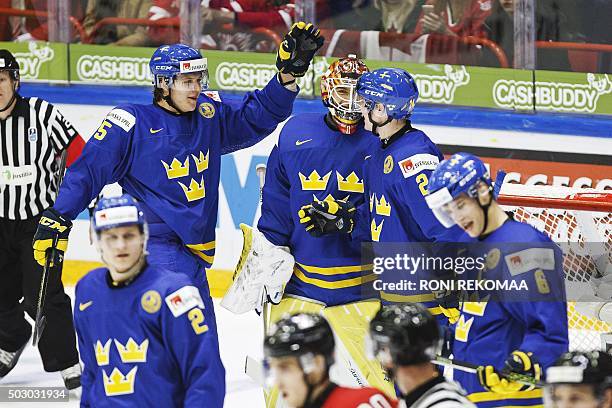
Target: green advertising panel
(102, 64)
(40, 61)
(573, 92)
(245, 71)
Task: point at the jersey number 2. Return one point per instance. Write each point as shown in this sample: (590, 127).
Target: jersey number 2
(422, 181)
(196, 317)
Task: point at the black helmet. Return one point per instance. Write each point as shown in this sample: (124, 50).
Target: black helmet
(300, 334)
(408, 332)
(9, 63)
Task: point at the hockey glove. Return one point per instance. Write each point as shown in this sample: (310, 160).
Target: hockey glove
(519, 370)
(328, 216)
(448, 303)
(52, 226)
(298, 49)
(261, 274)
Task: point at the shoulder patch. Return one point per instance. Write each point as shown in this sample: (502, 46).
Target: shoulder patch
(183, 300)
(214, 95)
(122, 118)
(530, 259)
(417, 163)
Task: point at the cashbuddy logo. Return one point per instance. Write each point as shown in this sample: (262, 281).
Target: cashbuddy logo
(441, 88)
(98, 68)
(241, 76)
(557, 96)
(31, 61)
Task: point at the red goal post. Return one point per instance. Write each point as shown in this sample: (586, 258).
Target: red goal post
(580, 221)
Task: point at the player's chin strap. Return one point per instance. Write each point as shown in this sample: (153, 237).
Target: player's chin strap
(308, 402)
(376, 125)
(494, 190)
(168, 99)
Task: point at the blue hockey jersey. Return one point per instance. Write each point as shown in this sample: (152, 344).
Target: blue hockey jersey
(171, 163)
(145, 344)
(396, 178)
(313, 162)
(495, 323)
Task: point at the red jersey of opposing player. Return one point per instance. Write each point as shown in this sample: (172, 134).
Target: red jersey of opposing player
(336, 396)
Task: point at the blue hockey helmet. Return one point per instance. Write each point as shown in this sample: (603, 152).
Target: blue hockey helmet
(456, 175)
(170, 60)
(392, 87)
(114, 212)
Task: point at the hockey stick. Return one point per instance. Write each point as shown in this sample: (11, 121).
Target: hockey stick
(260, 169)
(473, 368)
(41, 321)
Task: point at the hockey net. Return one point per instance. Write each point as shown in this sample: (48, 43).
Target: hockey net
(580, 221)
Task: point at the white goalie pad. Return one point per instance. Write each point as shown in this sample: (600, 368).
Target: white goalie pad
(262, 272)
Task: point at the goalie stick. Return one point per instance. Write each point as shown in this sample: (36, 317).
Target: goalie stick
(41, 321)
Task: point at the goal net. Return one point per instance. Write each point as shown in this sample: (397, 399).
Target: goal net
(580, 222)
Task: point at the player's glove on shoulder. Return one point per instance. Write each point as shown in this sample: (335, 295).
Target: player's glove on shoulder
(53, 227)
(328, 216)
(520, 365)
(298, 48)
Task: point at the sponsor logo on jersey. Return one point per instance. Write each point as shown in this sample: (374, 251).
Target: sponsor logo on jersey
(301, 142)
(18, 176)
(530, 259)
(207, 110)
(183, 300)
(214, 95)
(122, 118)
(83, 306)
(417, 163)
(557, 96)
(153, 131)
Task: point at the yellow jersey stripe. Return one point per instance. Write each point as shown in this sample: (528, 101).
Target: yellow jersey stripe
(334, 270)
(393, 297)
(344, 283)
(492, 396)
(202, 247)
(205, 257)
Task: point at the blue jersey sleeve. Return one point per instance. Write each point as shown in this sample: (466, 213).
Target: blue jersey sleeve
(104, 160)
(542, 308)
(412, 191)
(275, 222)
(190, 342)
(256, 117)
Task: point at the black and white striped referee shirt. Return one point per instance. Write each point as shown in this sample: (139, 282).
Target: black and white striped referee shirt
(437, 393)
(32, 138)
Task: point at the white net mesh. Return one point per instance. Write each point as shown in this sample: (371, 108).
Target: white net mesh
(584, 234)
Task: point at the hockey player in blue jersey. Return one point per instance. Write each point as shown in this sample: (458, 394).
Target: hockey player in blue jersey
(396, 174)
(520, 332)
(167, 155)
(318, 157)
(143, 337)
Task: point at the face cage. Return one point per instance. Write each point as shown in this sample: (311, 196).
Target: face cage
(343, 99)
(180, 85)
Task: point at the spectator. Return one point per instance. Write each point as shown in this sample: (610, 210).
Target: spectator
(8, 25)
(454, 17)
(37, 28)
(399, 16)
(551, 25)
(117, 34)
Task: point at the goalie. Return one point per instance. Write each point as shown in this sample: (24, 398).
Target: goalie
(318, 157)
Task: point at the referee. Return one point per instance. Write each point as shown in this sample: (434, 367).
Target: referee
(33, 135)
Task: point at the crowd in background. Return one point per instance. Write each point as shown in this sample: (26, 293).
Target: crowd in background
(408, 30)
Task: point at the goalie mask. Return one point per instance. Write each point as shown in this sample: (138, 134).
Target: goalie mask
(339, 92)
